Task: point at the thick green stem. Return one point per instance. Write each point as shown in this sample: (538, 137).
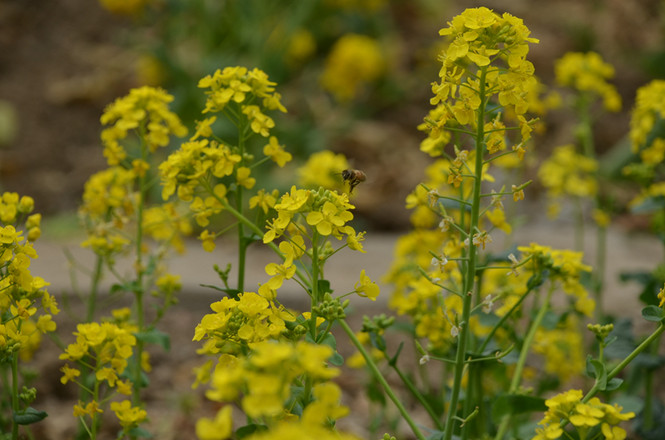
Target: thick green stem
(470, 274)
(521, 362)
(379, 377)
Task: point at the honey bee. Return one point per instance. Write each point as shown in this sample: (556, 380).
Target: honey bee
(354, 177)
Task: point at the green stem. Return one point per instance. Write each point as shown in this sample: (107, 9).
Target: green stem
(15, 407)
(579, 225)
(242, 243)
(94, 289)
(379, 377)
(639, 349)
(601, 253)
(521, 362)
(469, 278)
(503, 319)
(138, 286)
(242, 219)
(315, 283)
(412, 388)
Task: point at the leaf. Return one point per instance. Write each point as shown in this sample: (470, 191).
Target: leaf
(513, 404)
(139, 432)
(613, 384)
(537, 280)
(329, 339)
(118, 288)
(250, 429)
(155, 336)
(377, 341)
(648, 205)
(323, 286)
(653, 313)
(597, 370)
(436, 435)
(29, 416)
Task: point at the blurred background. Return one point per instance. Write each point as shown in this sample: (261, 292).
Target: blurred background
(354, 75)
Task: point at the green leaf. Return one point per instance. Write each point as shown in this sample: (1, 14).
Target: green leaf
(613, 384)
(377, 341)
(597, 370)
(513, 404)
(29, 416)
(139, 432)
(329, 340)
(155, 336)
(323, 287)
(119, 288)
(250, 429)
(653, 313)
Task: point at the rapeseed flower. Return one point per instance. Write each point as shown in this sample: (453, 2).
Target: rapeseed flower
(354, 61)
(588, 73)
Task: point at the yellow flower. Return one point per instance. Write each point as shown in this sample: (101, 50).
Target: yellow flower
(208, 240)
(203, 128)
(244, 179)
(219, 428)
(329, 218)
(586, 415)
(323, 169)
(89, 409)
(366, 287)
(276, 152)
(69, 374)
(301, 46)
(263, 200)
(124, 7)
(354, 61)
(587, 72)
(128, 415)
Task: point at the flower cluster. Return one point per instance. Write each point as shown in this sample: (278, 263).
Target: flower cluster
(564, 267)
(144, 110)
(262, 382)
(327, 211)
(238, 322)
(21, 293)
(479, 37)
(207, 172)
(583, 415)
(322, 169)
(250, 89)
(588, 73)
(568, 173)
(354, 61)
(104, 349)
(647, 141)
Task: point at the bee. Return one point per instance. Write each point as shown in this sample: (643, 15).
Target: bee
(354, 177)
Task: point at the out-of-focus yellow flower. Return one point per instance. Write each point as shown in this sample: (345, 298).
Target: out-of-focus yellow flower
(354, 61)
(587, 72)
(323, 169)
(124, 7)
(302, 45)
